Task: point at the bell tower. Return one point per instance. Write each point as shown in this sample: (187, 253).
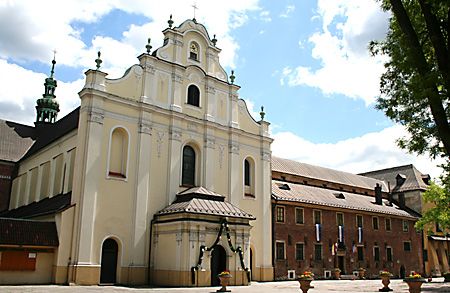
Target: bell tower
(47, 107)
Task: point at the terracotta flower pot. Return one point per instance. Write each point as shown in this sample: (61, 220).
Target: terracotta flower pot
(305, 284)
(414, 284)
(224, 281)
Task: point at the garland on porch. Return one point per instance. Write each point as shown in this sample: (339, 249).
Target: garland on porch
(203, 248)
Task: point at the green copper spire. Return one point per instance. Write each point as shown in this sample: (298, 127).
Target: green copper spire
(47, 107)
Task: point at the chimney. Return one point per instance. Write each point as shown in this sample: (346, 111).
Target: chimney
(401, 200)
(400, 179)
(378, 197)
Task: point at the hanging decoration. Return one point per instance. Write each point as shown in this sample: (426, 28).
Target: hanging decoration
(203, 248)
(318, 232)
(360, 234)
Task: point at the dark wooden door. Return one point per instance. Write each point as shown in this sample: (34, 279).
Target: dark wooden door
(218, 264)
(341, 264)
(108, 269)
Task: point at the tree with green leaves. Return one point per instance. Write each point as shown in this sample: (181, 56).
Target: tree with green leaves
(415, 88)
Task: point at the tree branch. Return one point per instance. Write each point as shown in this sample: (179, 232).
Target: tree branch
(419, 61)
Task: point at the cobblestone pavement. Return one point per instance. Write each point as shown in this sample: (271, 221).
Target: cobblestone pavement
(341, 286)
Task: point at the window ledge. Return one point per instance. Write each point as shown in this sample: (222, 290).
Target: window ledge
(116, 176)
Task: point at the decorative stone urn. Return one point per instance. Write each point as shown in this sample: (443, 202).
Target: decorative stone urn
(385, 280)
(362, 273)
(337, 273)
(414, 284)
(224, 278)
(305, 284)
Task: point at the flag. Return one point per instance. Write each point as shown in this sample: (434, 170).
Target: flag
(333, 249)
(359, 234)
(341, 233)
(354, 248)
(318, 232)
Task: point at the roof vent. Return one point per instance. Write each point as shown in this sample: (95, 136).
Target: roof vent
(284, 186)
(339, 195)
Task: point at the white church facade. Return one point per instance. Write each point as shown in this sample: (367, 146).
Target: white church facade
(159, 177)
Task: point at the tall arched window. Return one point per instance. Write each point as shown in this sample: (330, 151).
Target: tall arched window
(246, 172)
(188, 172)
(118, 154)
(193, 96)
(249, 177)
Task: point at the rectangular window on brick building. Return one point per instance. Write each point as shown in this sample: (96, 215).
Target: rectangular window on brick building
(375, 223)
(359, 220)
(317, 217)
(299, 218)
(376, 253)
(405, 226)
(340, 219)
(389, 253)
(280, 250)
(317, 251)
(299, 251)
(407, 246)
(360, 253)
(387, 222)
(280, 214)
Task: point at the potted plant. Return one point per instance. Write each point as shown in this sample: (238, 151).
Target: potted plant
(224, 277)
(337, 273)
(414, 281)
(362, 273)
(305, 280)
(386, 280)
(446, 276)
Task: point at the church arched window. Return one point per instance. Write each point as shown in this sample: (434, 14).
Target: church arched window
(118, 153)
(193, 51)
(193, 96)
(188, 171)
(249, 177)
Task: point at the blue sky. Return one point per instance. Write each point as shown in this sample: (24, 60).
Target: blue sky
(305, 61)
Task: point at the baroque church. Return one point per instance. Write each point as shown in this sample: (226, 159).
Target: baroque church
(163, 177)
(160, 176)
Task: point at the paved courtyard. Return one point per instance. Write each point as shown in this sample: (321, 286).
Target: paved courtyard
(436, 285)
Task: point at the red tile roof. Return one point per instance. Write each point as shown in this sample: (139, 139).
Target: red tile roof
(28, 233)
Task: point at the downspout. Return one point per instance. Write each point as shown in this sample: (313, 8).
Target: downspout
(150, 251)
(273, 234)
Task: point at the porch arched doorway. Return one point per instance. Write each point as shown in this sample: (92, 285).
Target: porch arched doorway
(218, 264)
(108, 270)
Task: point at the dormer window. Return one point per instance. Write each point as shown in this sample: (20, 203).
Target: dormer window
(193, 51)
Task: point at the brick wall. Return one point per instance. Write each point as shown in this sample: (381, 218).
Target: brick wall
(291, 233)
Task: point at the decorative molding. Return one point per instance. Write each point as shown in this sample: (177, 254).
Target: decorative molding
(145, 127)
(193, 236)
(179, 236)
(234, 147)
(149, 68)
(96, 116)
(234, 97)
(159, 141)
(177, 78)
(211, 90)
(178, 43)
(266, 155)
(175, 134)
(221, 151)
(210, 142)
(192, 126)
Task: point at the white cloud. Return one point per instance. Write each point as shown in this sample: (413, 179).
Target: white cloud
(340, 48)
(372, 151)
(265, 16)
(30, 30)
(17, 102)
(289, 9)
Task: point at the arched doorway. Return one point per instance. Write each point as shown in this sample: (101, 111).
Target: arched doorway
(402, 272)
(218, 264)
(108, 270)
